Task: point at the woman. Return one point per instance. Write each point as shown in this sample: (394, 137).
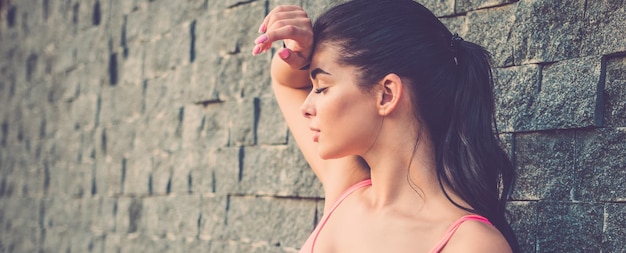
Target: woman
(395, 116)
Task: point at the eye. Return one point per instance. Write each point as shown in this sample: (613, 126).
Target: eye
(319, 90)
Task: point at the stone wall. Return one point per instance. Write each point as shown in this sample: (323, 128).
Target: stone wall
(147, 126)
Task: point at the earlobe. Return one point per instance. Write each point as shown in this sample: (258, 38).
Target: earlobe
(390, 93)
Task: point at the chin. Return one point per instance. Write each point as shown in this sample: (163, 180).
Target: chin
(326, 155)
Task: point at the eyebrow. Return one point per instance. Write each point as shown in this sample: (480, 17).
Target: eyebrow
(317, 71)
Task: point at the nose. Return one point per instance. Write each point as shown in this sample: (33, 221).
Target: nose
(307, 107)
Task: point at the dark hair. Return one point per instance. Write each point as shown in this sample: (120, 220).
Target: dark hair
(452, 90)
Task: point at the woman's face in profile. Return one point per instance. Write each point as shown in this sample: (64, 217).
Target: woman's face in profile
(343, 118)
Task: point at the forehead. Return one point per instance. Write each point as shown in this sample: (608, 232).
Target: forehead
(324, 56)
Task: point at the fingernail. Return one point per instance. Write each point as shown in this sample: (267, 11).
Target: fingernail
(262, 28)
(256, 50)
(261, 39)
(284, 53)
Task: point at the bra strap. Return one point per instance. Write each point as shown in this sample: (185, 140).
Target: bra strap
(341, 198)
(453, 229)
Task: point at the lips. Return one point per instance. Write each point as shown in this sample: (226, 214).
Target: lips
(316, 134)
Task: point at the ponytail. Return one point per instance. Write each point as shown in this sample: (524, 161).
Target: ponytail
(451, 88)
(470, 160)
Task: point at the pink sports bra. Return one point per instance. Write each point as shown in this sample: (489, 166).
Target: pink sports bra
(309, 245)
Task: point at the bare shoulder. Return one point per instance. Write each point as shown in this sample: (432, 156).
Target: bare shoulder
(476, 236)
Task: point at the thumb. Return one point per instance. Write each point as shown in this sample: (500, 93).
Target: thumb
(295, 60)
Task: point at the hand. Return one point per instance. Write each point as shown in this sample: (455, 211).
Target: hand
(292, 25)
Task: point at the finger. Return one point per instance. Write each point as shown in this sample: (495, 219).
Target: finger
(279, 9)
(295, 60)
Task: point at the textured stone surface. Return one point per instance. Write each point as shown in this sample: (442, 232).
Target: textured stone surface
(269, 216)
(514, 91)
(561, 224)
(614, 233)
(567, 101)
(147, 126)
(600, 157)
(523, 218)
(545, 166)
(614, 93)
(547, 31)
(499, 21)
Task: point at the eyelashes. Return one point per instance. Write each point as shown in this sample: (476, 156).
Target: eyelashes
(319, 90)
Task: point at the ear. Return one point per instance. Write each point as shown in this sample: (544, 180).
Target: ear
(389, 94)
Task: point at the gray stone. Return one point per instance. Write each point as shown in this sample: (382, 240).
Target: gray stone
(242, 119)
(213, 216)
(522, 216)
(515, 90)
(562, 224)
(603, 28)
(470, 5)
(545, 166)
(547, 31)
(613, 232)
(599, 155)
(136, 169)
(225, 166)
(269, 216)
(567, 101)
(131, 215)
(173, 216)
(289, 176)
(491, 28)
(615, 93)
(271, 127)
(168, 51)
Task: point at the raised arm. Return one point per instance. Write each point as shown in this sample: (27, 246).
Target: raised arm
(291, 85)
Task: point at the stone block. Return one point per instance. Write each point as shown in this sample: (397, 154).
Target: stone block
(205, 126)
(91, 45)
(515, 90)
(63, 213)
(269, 215)
(108, 176)
(144, 243)
(567, 101)
(522, 216)
(130, 65)
(599, 155)
(102, 215)
(545, 166)
(547, 31)
(21, 239)
(603, 27)
(242, 122)
(615, 93)
(251, 247)
(614, 224)
(569, 227)
(120, 104)
(168, 52)
(277, 171)
(166, 124)
(470, 5)
(491, 28)
(136, 170)
(56, 241)
(271, 126)
(213, 216)
(130, 217)
(139, 27)
(174, 216)
(225, 166)
(69, 179)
